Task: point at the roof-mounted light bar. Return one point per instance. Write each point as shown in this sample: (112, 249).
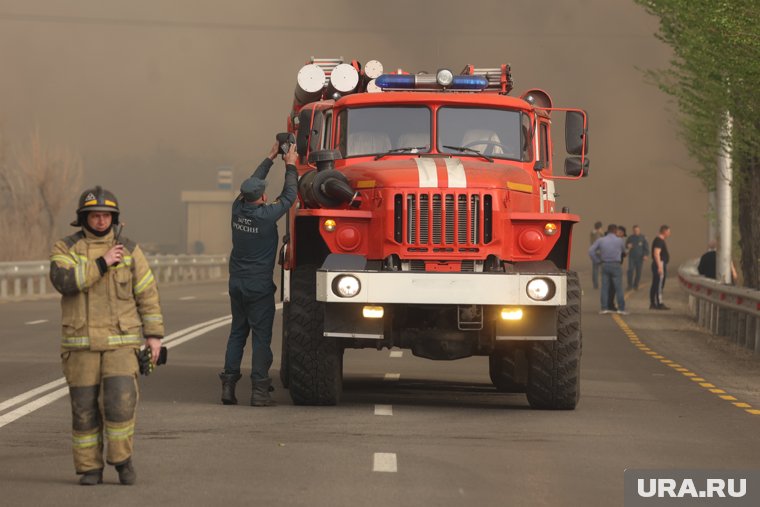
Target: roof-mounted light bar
(442, 80)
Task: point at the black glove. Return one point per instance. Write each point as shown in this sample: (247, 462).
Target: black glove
(145, 356)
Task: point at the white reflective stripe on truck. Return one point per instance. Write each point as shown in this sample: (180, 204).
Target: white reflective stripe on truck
(428, 172)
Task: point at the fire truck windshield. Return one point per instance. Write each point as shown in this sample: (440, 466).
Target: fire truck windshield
(497, 133)
(379, 130)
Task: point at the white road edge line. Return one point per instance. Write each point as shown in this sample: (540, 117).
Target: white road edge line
(183, 332)
(392, 376)
(35, 322)
(195, 334)
(384, 462)
(171, 340)
(383, 409)
(186, 298)
(397, 353)
(31, 394)
(33, 405)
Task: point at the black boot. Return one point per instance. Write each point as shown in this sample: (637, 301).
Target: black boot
(127, 475)
(260, 396)
(92, 477)
(228, 387)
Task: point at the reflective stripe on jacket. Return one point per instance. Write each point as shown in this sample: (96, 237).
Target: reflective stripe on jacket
(104, 311)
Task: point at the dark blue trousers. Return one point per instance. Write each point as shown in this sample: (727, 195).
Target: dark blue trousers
(635, 263)
(252, 304)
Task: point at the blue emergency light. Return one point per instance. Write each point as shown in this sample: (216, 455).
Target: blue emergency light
(396, 81)
(441, 81)
(469, 83)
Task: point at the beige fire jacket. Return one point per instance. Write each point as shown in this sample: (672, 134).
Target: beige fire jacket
(104, 310)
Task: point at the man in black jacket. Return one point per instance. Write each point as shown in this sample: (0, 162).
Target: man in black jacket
(254, 248)
(708, 263)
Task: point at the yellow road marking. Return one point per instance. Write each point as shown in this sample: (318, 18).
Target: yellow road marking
(636, 341)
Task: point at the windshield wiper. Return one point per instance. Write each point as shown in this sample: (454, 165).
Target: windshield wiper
(411, 149)
(468, 150)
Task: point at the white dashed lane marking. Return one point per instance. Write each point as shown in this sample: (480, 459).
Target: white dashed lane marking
(397, 353)
(392, 376)
(384, 462)
(383, 409)
(34, 322)
(186, 298)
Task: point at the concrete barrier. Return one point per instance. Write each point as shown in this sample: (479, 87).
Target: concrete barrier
(724, 310)
(31, 278)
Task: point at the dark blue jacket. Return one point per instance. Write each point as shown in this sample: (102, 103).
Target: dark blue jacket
(637, 245)
(254, 230)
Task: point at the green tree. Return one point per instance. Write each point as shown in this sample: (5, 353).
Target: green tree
(715, 71)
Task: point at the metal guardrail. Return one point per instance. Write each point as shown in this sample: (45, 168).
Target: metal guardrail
(724, 310)
(30, 278)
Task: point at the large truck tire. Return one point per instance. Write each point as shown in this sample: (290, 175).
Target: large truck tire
(554, 381)
(506, 369)
(315, 362)
(284, 363)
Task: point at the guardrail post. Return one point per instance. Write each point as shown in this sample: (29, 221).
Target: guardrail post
(3, 288)
(712, 327)
(757, 336)
(735, 325)
(746, 329)
(701, 313)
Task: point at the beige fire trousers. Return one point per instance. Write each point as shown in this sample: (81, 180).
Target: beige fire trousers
(104, 393)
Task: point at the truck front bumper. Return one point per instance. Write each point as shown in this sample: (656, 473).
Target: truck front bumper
(379, 287)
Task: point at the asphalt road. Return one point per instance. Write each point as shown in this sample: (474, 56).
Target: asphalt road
(409, 432)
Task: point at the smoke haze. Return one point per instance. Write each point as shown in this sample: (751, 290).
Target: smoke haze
(157, 95)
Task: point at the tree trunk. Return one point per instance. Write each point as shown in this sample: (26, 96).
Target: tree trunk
(749, 221)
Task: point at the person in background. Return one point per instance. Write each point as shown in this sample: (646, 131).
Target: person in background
(621, 233)
(595, 267)
(709, 261)
(608, 251)
(637, 247)
(660, 259)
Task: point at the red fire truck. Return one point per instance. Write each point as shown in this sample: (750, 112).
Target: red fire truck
(427, 221)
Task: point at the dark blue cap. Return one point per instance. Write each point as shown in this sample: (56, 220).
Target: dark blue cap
(253, 188)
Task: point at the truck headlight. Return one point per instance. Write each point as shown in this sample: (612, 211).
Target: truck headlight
(346, 286)
(541, 289)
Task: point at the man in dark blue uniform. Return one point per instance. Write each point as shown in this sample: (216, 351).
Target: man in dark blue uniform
(254, 248)
(638, 250)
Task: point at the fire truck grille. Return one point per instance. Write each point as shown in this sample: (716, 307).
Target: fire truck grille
(442, 222)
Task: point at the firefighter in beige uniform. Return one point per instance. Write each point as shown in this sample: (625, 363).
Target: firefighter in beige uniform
(110, 302)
